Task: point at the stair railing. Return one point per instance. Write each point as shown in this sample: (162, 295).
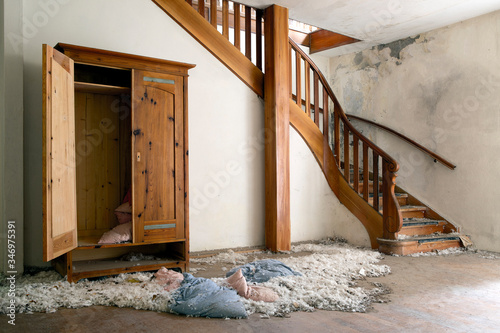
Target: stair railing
(231, 19)
(373, 170)
(433, 155)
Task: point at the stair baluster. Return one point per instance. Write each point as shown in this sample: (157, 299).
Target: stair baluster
(420, 222)
(343, 132)
(230, 17)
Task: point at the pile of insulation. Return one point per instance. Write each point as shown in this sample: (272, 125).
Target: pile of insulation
(324, 277)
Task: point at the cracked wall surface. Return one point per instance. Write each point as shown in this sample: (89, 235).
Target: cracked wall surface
(442, 89)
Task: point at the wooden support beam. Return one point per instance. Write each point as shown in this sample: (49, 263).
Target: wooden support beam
(299, 37)
(277, 115)
(322, 40)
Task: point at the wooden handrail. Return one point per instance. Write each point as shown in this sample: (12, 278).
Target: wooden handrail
(393, 164)
(435, 156)
(204, 32)
(381, 174)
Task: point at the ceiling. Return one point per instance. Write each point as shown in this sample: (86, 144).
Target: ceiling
(377, 22)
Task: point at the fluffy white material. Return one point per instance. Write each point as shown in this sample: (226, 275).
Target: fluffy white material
(47, 291)
(328, 282)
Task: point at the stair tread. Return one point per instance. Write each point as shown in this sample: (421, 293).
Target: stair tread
(414, 221)
(426, 238)
(408, 208)
(398, 195)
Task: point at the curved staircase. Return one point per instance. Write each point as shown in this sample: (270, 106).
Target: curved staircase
(362, 175)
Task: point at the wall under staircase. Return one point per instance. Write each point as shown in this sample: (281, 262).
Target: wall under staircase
(375, 203)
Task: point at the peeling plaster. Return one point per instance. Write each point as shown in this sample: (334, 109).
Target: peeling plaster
(442, 89)
(397, 46)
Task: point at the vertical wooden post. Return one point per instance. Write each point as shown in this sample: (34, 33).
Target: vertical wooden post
(277, 97)
(248, 32)
(258, 34)
(237, 26)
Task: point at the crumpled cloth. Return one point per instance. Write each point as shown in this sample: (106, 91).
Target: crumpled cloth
(200, 297)
(169, 278)
(263, 270)
(120, 233)
(257, 293)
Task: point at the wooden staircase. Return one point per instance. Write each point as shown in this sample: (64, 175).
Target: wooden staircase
(423, 229)
(396, 222)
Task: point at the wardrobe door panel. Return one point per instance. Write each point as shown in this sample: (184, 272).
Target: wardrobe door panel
(59, 168)
(157, 145)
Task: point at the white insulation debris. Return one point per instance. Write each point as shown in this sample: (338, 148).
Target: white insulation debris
(228, 257)
(445, 252)
(328, 281)
(47, 291)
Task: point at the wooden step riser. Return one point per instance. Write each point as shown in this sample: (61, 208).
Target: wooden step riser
(422, 229)
(413, 214)
(406, 248)
(402, 201)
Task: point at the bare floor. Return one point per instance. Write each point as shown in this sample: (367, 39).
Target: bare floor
(457, 293)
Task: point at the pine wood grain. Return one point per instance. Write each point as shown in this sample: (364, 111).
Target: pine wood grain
(158, 169)
(59, 171)
(277, 174)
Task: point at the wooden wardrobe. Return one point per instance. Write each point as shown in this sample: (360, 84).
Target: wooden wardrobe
(114, 123)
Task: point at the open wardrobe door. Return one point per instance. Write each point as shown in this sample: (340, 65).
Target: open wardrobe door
(59, 165)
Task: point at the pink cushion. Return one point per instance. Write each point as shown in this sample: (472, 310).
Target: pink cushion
(123, 217)
(171, 279)
(120, 233)
(124, 213)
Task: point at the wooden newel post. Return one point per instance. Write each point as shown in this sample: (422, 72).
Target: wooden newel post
(277, 149)
(393, 220)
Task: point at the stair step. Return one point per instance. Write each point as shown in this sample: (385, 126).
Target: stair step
(401, 197)
(407, 222)
(418, 244)
(410, 211)
(422, 226)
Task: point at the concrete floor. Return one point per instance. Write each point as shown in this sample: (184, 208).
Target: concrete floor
(458, 293)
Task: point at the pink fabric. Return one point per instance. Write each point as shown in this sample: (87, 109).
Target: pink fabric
(120, 233)
(171, 279)
(123, 217)
(257, 293)
(124, 213)
(124, 208)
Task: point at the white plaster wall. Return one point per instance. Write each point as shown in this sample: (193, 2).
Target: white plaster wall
(225, 127)
(441, 88)
(315, 211)
(226, 180)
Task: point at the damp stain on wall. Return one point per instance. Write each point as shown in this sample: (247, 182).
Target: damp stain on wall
(397, 46)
